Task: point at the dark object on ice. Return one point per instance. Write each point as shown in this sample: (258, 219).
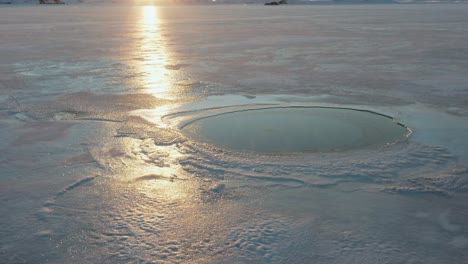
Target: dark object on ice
(218, 188)
(51, 2)
(282, 2)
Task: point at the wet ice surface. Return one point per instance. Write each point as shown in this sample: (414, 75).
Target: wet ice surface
(94, 168)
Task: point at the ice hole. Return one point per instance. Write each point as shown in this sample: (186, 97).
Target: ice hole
(296, 129)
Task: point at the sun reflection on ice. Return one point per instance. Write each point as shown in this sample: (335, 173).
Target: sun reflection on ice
(157, 79)
(154, 165)
(155, 170)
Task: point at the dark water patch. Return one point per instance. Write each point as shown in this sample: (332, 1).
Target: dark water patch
(296, 129)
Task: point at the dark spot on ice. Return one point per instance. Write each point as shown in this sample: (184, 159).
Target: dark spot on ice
(218, 188)
(322, 183)
(49, 203)
(83, 158)
(290, 182)
(216, 191)
(175, 66)
(151, 177)
(76, 184)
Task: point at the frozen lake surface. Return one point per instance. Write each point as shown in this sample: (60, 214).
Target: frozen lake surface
(95, 167)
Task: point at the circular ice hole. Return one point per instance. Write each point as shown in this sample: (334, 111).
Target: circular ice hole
(296, 129)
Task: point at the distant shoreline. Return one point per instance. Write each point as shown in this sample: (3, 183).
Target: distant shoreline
(311, 3)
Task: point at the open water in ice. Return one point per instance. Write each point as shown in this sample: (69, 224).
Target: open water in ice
(295, 129)
(95, 165)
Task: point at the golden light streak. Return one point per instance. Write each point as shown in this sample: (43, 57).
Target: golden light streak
(156, 79)
(155, 169)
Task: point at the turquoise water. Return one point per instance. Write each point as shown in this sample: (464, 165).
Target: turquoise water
(301, 129)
